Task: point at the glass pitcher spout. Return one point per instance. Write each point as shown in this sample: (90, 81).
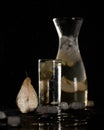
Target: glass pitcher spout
(68, 25)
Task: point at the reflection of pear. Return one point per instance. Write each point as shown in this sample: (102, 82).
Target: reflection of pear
(27, 99)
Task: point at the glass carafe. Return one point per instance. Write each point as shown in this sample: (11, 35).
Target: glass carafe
(74, 79)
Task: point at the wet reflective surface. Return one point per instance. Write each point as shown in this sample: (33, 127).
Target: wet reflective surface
(73, 120)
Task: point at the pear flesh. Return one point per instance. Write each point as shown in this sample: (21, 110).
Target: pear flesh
(27, 100)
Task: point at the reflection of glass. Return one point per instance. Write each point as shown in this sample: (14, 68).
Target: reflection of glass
(50, 126)
(49, 82)
(74, 80)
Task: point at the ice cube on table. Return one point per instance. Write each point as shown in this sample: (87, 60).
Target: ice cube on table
(3, 118)
(77, 105)
(64, 106)
(14, 121)
(47, 109)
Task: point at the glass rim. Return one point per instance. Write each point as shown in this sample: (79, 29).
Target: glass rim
(69, 18)
(47, 59)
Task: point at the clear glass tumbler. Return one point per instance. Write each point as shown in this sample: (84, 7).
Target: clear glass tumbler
(49, 74)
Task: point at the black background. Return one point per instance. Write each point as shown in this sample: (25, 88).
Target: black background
(27, 33)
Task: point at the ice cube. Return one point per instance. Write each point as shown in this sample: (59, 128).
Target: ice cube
(14, 121)
(77, 105)
(47, 109)
(64, 106)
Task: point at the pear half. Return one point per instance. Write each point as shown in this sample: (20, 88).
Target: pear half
(27, 100)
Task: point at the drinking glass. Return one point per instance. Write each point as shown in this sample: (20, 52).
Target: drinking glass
(49, 74)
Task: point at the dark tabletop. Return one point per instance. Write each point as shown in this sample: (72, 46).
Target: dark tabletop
(74, 120)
